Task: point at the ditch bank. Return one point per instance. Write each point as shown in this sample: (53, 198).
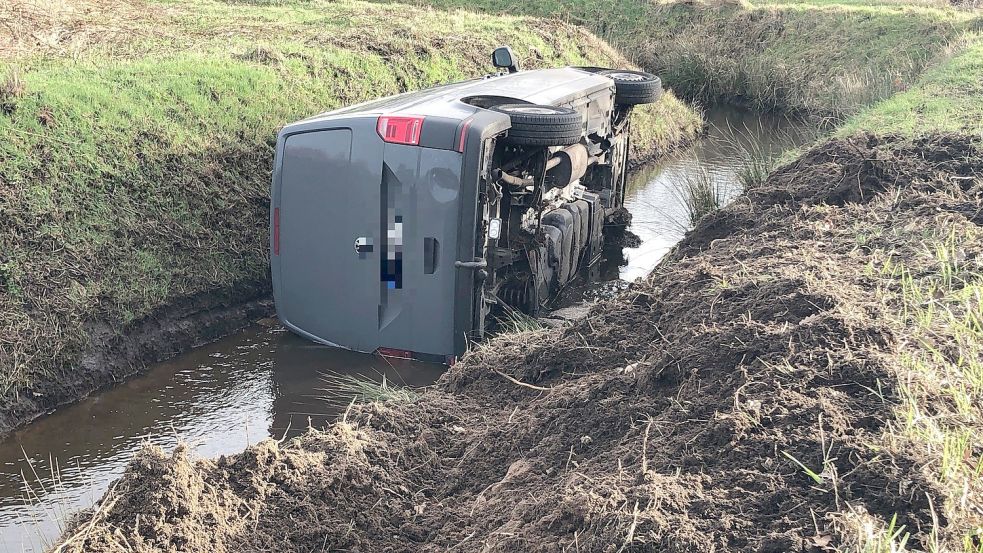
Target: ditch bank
(826, 59)
(138, 142)
(745, 397)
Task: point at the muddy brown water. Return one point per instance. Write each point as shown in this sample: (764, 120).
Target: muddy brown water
(265, 382)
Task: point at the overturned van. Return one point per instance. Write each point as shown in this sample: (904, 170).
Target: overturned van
(402, 224)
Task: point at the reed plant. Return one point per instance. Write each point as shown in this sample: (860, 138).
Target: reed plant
(341, 389)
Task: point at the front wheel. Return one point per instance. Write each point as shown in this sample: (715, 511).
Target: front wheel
(634, 87)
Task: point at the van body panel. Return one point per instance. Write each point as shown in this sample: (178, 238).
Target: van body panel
(326, 188)
(557, 87)
(421, 191)
(369, 233)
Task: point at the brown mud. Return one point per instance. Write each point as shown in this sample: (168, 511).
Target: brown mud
(667, 419)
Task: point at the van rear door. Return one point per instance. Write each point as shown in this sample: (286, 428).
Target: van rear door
(327, 191)
(365, 235)
(420, 217)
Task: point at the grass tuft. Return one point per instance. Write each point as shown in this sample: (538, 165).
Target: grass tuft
(864, 533)
(816, 477)
(340, 389)
(513, 321)
(700, 193)
(12, 87)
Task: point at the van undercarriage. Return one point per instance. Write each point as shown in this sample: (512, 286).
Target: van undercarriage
(544, 210)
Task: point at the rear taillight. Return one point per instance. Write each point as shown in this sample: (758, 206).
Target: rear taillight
(464, 135)
(400, 129)
(276, 231)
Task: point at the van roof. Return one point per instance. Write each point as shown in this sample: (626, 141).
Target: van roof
(542, 86)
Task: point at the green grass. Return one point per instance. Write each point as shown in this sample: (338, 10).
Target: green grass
(813, 475)
(513, 321)
(940, 307)
(824, 58)
(700, 194)
(947, 98)
(137, 150)
(341, 389)
(869, 535)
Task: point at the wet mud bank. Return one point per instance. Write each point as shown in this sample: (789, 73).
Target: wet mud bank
(734, 400)
(115, 354)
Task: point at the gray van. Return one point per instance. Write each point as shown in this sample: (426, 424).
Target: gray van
(401, 225)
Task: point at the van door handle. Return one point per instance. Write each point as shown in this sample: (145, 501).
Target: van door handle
(431, 255)
(478, 263)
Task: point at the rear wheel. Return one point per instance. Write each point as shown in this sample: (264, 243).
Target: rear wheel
(535, 125)
(634, 87)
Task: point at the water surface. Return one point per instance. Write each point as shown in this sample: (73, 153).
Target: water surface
(219, 398)
(659, 214)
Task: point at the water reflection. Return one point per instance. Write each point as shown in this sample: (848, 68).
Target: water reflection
(660, 217)
(219, 398)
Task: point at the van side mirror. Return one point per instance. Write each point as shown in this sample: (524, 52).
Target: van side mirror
(503, 58)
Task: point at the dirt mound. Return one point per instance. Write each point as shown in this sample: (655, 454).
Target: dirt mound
(733, 402)
(855, 170)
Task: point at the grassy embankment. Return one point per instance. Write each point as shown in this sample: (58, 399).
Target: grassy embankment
(826, 58)
(137, 146)
(930, 279)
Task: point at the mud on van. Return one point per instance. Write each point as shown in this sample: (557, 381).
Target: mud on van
(402, 224)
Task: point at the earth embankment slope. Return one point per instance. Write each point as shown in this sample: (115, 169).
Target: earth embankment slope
(824, 58)
(137, 151)
(771, 387)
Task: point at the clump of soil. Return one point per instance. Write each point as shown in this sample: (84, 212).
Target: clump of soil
(678, 416)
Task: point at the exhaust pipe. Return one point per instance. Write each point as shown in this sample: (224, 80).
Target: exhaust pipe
(569, 164)
(565, 166)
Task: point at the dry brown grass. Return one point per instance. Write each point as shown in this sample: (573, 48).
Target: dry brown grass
(64, 27)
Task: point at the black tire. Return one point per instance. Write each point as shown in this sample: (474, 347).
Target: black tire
(563, 220)
(535, 125)
(634, 87)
